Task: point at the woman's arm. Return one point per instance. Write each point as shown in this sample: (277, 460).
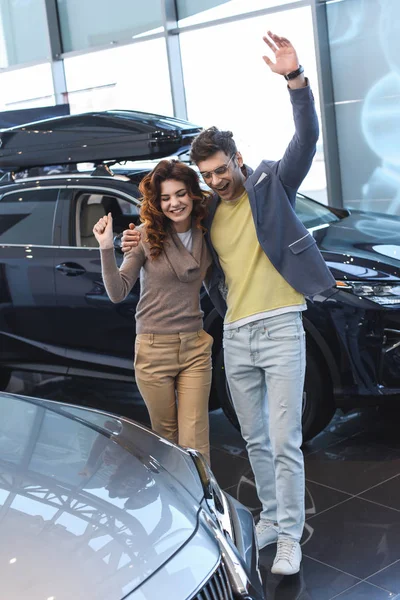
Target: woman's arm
(118, 282)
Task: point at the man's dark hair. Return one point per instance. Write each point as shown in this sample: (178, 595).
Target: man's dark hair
(210, 141)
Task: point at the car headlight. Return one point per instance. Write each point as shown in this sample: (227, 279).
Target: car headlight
(385, 294)
(213, 494)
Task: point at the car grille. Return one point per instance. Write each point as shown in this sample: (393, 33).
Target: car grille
(217, 587)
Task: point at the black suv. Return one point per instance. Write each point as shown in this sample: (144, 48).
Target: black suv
(55, 315)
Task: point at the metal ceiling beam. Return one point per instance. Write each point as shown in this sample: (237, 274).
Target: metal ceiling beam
(170, 18)
(327, 101)
(55, 44)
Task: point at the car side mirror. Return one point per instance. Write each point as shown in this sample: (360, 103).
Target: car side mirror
(117, 243)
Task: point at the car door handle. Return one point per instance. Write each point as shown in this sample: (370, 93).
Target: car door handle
(70, 269)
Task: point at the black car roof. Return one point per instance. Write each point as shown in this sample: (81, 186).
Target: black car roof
(142, 120)
(118, 182)
(94, 137)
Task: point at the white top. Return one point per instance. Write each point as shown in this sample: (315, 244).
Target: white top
(187, 239)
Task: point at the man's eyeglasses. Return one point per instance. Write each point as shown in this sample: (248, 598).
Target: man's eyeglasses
(207, 175)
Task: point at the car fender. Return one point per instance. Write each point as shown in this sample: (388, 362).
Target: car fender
(313, 333)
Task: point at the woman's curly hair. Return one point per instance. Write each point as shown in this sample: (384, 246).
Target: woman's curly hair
(157, 224)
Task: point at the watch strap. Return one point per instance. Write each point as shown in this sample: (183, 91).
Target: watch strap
(294, 74)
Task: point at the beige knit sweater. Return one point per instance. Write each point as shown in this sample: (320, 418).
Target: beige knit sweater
(169, 285)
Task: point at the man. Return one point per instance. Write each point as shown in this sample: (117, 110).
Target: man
(265, 263)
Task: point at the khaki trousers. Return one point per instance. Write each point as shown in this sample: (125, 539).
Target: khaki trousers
(173, 374)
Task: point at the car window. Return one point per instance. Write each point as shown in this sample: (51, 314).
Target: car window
(26, 217)
(313, 214)
(90, 207)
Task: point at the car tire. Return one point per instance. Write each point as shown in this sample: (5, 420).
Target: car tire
(318, 404)
(222, 388)
(318, 401)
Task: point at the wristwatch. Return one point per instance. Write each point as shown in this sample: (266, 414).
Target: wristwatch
(294, 74)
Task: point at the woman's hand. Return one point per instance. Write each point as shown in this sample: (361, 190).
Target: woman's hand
(103, 232)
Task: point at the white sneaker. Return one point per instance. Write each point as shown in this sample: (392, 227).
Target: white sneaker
(288, 557)
(267, 533)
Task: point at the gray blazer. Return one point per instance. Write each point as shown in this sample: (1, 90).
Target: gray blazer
(272, 191)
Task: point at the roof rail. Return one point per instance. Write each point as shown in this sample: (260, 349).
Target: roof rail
(8, 177)
(102, 171)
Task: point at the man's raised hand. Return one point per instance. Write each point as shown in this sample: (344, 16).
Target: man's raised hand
(130, 238)
(285, 55)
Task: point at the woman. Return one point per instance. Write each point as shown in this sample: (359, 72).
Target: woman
(172, 351)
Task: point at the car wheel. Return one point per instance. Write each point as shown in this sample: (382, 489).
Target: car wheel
(5, 375)
(318, 404)
(318, 401)
(224, 394)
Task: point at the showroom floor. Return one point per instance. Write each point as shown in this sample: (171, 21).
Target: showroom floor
(351, 542)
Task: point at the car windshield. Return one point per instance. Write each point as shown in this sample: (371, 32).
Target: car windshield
(312, 213)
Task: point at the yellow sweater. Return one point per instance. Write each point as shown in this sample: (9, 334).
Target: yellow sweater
(254, 285)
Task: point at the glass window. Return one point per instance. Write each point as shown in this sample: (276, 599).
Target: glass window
(23, 32)
(237, 91)
(313, 214)
(27, 88)
(92, 99)
(26, 217)
(367, 103)
(95, 23)
(90, 207)
(192, 12)
(133, 77)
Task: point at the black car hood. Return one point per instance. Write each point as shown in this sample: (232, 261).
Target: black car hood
(362, 246)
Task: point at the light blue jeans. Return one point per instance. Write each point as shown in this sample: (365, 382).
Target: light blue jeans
(265, 367)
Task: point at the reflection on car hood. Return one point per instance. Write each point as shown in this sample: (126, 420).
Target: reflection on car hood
(362, 246)
(81, 516)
